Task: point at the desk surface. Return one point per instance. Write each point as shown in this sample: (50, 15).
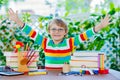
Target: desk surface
(53, 75)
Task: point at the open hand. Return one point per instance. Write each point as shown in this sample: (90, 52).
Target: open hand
(104, 22)
(14, 17)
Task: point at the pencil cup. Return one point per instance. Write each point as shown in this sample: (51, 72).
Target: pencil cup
(66, 68)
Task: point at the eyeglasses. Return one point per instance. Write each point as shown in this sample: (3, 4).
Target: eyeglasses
(59, 30)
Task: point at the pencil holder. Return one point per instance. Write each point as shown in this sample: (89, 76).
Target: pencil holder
(21, 67)
(27, 60)
(66, 68)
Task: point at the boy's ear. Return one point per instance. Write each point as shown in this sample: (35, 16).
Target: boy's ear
(66, 32)
(48, 31)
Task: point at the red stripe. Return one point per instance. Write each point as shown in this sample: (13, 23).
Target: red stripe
(59, 51)
(82, 37)
(45, 43)
(33, 35)
(48, 68)
(70, 42)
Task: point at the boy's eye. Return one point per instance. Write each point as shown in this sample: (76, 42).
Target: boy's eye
(60, 29)
(53, 29)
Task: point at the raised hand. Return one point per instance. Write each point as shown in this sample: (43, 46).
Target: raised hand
(14, 17)
(104, 22)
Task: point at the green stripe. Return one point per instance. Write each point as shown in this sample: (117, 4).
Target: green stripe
(76, 40)
(91, 31)
(27, 29)
(56, 62)
(39, 39)
(62, 44)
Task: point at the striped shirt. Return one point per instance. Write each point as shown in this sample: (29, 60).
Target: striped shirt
(57, 54)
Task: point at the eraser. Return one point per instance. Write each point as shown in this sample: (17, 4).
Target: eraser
(105, 71)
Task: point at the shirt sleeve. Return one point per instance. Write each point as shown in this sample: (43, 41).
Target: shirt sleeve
(83, 36)
(32, 34)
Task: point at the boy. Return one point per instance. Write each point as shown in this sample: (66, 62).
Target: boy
(57, 49)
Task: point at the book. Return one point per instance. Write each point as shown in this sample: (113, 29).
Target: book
(78, 69)
(84, 58)
(84, 63)
(87, 53)
(15, 58)
(30, 68)
(15, 54)
(14, 64)
(37, 72)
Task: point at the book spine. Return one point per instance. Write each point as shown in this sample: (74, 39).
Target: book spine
(102, 61)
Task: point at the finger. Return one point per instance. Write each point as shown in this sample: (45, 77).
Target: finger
(11, 11)
(110, 19)
(8, 12)
(106, 17)
(101, 18)
(17, 12)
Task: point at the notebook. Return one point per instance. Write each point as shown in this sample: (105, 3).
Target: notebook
(9, 73)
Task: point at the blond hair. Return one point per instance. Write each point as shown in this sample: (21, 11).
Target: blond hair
(58, 22)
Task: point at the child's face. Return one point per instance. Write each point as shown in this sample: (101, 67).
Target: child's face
(57, 33)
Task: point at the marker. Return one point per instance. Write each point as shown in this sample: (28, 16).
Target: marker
(96, 71)
(80, 72)
(91, 72)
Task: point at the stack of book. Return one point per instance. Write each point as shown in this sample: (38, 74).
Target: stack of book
(84, 60)
(12, 60)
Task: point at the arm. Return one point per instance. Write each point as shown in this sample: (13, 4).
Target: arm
(90, 32)
(83, 36)
(32, 34)
(25, 28)
(104, 22)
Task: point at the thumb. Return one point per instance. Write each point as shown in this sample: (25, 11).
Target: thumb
(101, 19)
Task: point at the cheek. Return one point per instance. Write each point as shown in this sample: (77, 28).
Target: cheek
(65, 33)
(51, 33)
